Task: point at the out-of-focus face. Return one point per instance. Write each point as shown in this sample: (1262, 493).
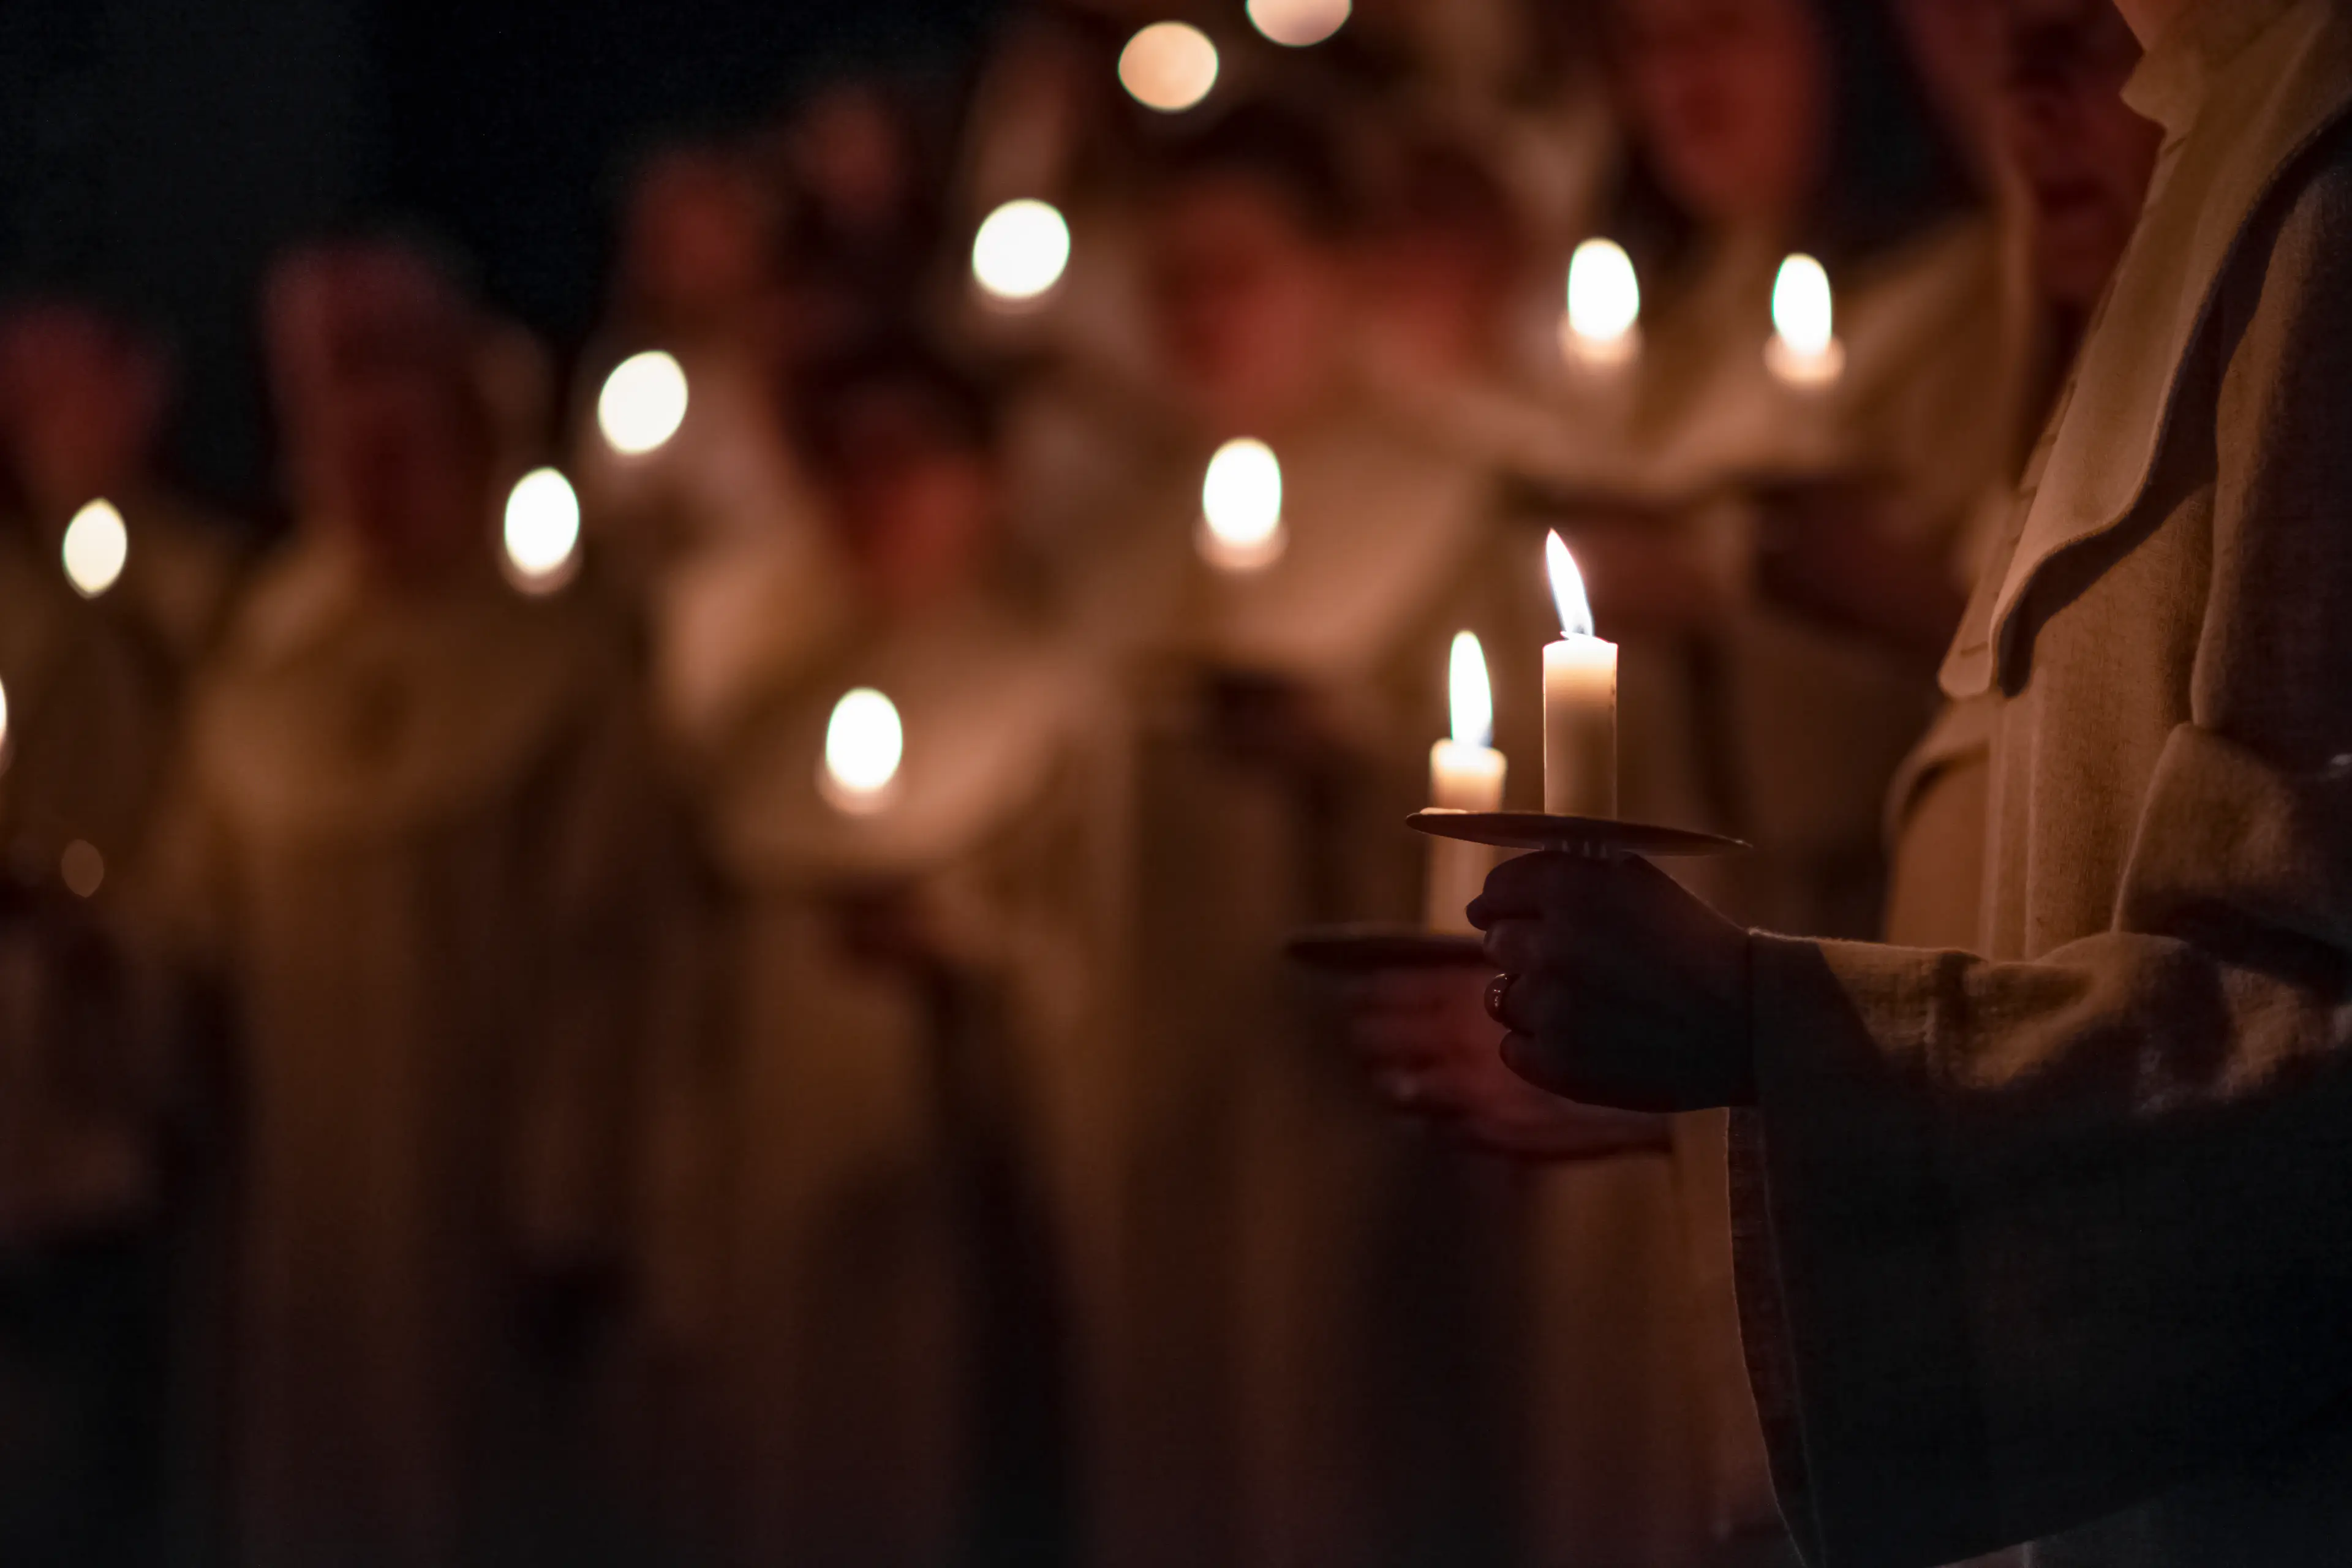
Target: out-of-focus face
(852, 153)
(1731, 99)
(919, 503)
(80, 407)
(1440, 280)
(383, 425)
(1248, 307)
(2085, 159)
(1956, 45)
(696, 238)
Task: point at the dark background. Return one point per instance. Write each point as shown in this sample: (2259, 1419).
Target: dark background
(161, 150)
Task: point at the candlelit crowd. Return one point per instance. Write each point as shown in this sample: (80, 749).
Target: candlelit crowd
(692, 967)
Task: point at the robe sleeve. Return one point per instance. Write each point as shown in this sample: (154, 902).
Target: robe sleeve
(2025, 1243)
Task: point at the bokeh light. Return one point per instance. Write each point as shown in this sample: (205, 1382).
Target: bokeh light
(96, 547)
(643, 403)
(1241, 507)
(864, 744)
(82, 868)
(1296, 23)
(1804, 351)
(542, 531)
(1021, 251)
(1604, 303)
(1470, 695)
(1168, 65)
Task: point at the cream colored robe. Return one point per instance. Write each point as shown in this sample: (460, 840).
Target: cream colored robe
(719, 534)
(1319, 1305)
(421, 843)
(914, 1232)
(180, 576)
(86, 731)
(2050, 1242)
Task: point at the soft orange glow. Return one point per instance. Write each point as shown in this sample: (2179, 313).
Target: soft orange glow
(1568, 589)
(1296, 23)
(864, 744)
(1168, 65)
(1241, 508)
(82, 868)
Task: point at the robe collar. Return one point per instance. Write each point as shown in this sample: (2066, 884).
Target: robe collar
(2241, 88)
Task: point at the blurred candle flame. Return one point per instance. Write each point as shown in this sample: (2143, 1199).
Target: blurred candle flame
(542, 531)
(1241, 507)
(1604, 303)
(1472, 698)
(1168, 65)
(863, 745)
(1568, 589)
(1021, 251)
(4, 727)
(1296, 23)
(1804, 350)
(96, 547)
(643, 403)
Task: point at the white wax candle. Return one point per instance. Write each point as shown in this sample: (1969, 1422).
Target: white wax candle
(1579, 703)
(1461, 778)
(1466, 774)
(1804, 351)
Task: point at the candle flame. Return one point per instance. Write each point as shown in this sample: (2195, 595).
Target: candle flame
(863, 745)
(1568, 589)
(1802, 312)
(4, 727)
(1021, 251)
(1168, 65)
(1604, 297)
(542, 531)
(1473, 697)
(643, 403)
(1296, 23)
(96, 547)
(1241, 506)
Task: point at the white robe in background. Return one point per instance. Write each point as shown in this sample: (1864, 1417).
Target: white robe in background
(421, 842)
(913, 1237)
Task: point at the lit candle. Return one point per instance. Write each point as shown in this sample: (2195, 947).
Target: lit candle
(542, 532)
(97, 548)
(1241, 508)
(1466, 774)
(1580, 702)
(1020, 253)
(1602, 329)
(643, 403)
(863, 745)
(1168, 65)
(1804, 351)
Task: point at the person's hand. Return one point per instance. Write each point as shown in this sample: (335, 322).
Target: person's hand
(1618, 986)
(1424, 1035)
